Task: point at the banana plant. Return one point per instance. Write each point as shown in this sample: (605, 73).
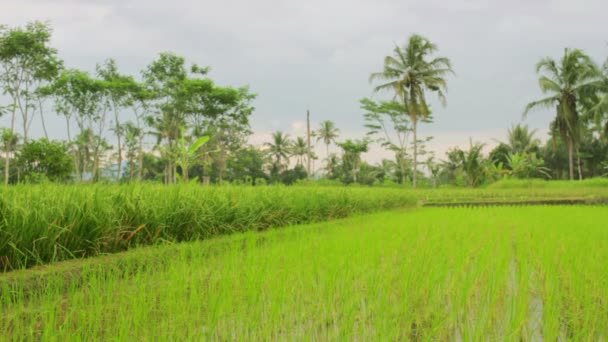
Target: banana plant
(186, 155)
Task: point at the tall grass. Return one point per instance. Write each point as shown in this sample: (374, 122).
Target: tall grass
(41, 224)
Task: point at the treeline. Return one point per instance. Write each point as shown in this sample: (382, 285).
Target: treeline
(172, 101)
(173, 123)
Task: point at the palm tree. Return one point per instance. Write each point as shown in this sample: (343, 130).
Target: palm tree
(520, 139)
(299, 149)
(472, 163)
(409, 73)
(327, 133)
(600, 108)
(279, 148)
(565, 83)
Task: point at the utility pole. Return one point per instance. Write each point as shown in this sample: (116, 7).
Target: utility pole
(308, 139)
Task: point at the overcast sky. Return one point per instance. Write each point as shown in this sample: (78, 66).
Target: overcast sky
(318, 54)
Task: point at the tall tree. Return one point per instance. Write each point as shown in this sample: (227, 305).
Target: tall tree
(117, 93)
(26, 61)
(389, 123)
(599, 107)
(299, 150)
(351, 156)
(327, 133)
(409, 73)
(565, 82)
(165, 78)
(181, 97)
(80, 97)
(140, 101)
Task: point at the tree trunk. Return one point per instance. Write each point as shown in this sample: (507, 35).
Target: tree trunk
(6, 166)
(140, 160)
(580, 168)
(185, 174)
(415, 154)
(46, 135)
(118, 137)
(309, 152)
(119, 171)
(571, 158)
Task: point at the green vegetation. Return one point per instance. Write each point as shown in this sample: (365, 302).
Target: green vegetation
(129, 128)
(504, 273)
(45, 223)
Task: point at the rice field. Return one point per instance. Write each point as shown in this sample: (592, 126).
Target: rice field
(493, 273)
(49, 223)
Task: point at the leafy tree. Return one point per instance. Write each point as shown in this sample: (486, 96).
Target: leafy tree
(48, 158)
(184, 97)
(351, 155)
(118, 90)
(291, 176)
(565, 82)
(499, 154)
(409, 74)
(388, 121)
(227, 122)
(140, 100)
(247, 164)
(333, 168)
(80, 97)
(27, 60)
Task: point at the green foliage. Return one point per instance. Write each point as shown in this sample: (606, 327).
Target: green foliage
(435, 274)
(526, 165)
(351, 158)
(81, 221)
(47, 158)
(566, 82)
(409, 74)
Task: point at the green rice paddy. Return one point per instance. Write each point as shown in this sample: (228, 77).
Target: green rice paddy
(484, 273)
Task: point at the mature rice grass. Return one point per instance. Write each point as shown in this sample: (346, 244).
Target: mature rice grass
(46, 223)
(499, 273)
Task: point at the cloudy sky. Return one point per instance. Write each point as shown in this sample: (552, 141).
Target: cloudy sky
(318, 54)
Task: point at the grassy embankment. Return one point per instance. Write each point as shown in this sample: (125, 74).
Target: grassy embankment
(43, 224)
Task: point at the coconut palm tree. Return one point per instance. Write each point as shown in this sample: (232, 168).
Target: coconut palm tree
(520, 139)
(279, 148)
(299, 149)
(327, 133)
(409, 73)
(565, 82)
(599, 111)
